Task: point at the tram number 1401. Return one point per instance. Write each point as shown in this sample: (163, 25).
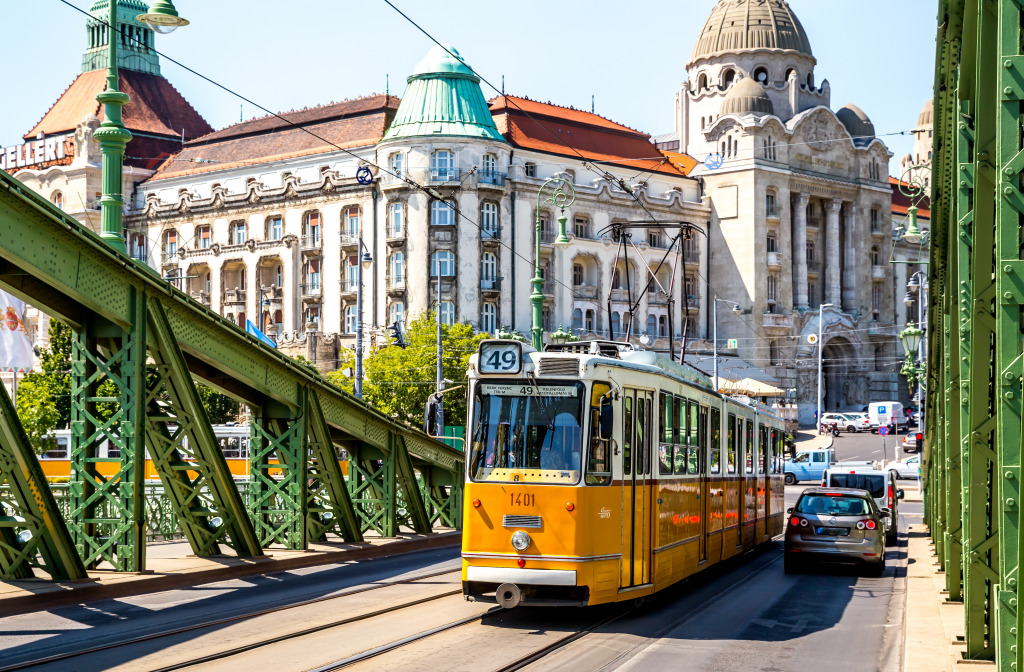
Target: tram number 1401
(520, 499)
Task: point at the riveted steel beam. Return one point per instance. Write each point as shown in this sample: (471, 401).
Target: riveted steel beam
(329, 505)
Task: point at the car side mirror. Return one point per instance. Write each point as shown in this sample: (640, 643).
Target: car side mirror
(605, 419)
(899, 494)
(789, 510)
(883, 514)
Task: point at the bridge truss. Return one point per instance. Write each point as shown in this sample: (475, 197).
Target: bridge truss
(972, 466)
(150, 341)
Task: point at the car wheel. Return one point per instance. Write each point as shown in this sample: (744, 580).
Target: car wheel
(850, 429)
(790, 565)
(790, 479)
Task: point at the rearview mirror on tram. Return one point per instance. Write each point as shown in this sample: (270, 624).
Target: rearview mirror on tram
(605, 419)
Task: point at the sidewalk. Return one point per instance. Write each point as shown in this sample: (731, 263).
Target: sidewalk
(810, 439)
(171, 565)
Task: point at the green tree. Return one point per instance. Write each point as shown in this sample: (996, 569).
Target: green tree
(44, 396)
(399, 380)
(219, 407)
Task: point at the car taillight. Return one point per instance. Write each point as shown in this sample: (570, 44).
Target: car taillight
(870, 524)
(803, 522)
(794, 521)
(890, 496)
(860, 524)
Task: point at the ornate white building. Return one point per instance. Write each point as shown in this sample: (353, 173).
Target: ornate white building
(800, 206)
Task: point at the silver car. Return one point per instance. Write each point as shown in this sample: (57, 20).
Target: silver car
(835, 525)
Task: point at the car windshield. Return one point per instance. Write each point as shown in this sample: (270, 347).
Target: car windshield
(873, 483)
(526, 433)
(833, 505)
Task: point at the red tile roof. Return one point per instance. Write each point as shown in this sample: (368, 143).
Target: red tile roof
(900, 201)
(355, 123)
(566, 131)
(156, 106)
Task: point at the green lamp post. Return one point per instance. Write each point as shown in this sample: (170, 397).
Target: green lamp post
(112, 135)
(561, 199)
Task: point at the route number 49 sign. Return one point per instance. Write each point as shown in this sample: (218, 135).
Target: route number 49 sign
(501, 357)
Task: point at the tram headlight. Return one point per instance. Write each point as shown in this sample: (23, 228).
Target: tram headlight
(520, 541)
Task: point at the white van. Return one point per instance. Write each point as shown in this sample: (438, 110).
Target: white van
(882, 413)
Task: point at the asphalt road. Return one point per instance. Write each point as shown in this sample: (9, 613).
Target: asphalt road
(868, 446)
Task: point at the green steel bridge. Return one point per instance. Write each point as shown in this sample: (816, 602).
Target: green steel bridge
(972, 465)
(151, 340)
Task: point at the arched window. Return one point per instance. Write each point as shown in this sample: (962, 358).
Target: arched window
(577, 274)
(170, 243)
(275, 227)
(662, 326)
(761, 75)
(702, 123)
(238, 233)
(652, 325)
(447, 313)
(203, 237)
(577, 320)
(442, 166)
(311, 230)
(442, 263)
(396, 164)
(588, 320)
(488, 271)
(615, 325)
(810, 80)
(702, 82)
(396, 312)
(728, 78)
(442, 213)
(875, 257)
(488, 318)
(58, 199)
(350, 319)
(350, 221)
(396, 219)
(396, 268)
(489, 220)
(278, 320)
(790, 73)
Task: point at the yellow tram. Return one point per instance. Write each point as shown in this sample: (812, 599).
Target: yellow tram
(600, 473)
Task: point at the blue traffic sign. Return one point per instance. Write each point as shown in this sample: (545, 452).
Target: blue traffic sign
(882, 431)
(713, 162)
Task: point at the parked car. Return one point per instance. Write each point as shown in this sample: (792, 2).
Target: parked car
(881, 485)
(885, 413)
(835, 525)
(910, 441)
(810, 465)
(908, 467)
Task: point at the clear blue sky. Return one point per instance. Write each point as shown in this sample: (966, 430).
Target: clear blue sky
(288, 55)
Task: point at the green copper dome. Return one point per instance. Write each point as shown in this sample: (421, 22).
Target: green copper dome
(443, 99)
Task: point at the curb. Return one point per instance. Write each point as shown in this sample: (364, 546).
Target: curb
(89, 590)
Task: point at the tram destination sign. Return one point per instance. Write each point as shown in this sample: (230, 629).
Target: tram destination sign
(514, 390)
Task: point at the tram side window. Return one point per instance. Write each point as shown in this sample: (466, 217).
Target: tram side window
(599, 464)
(60, 452)
(776, 454)
(627, 435)
(762, 447)
(682, 436)
(716, 441)
(642, 449)
(695, 437)
(731, 455)
(668, 434)
(749, 457)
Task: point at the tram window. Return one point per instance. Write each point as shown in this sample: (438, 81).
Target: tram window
(749, 458)
(642, 450)
(599, 466)
(693, 447)
(716, 441)
(668, 434)
(731, 455)
(682, 438)
(762, 444)
(627, 435)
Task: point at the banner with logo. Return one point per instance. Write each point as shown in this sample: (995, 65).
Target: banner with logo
(15, 343)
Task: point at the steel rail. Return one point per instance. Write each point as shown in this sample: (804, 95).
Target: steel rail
(236, 619)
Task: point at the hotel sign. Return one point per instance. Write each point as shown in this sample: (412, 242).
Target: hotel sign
(34, 153)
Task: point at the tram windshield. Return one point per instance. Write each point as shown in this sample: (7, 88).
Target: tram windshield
(527, 433)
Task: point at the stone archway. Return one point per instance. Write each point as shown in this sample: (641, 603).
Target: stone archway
(837, 366)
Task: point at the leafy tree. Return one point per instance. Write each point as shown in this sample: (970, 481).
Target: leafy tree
(399, 380)
(37, 411)
(220, 407)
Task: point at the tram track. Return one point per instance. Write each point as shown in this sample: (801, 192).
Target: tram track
(239, 618)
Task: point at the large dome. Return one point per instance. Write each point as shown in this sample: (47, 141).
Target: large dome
(745, 25)
(925, 118)
(857, 123)
(746, 97)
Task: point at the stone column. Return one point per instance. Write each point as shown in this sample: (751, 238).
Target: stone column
(850, 259)
(800, 251)
(833, 292)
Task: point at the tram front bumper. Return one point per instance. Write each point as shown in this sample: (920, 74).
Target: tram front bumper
(509, 586)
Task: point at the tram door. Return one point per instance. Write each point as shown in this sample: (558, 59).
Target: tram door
(699, 416)
(638, 406)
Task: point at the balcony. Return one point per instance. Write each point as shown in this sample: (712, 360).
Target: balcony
(877, 231)
(492, 235)
(774, 321)
(547, 237)
(395, 235)
(202, 297)
(814, 223)
(692, 303)
(139, 254)
(813, 268)
(493, 285)
(656, 297)
(169, 255)
(273, 293)
(311, 290)
(312, 242)
(691, 257)
(491, 178)
(444, 175)
(878, 272)
(347, 285)
(234, 296)
(774, 261)
(396, 285)
(393, 180)
(349, 240)
(584, 291)
(773, 212)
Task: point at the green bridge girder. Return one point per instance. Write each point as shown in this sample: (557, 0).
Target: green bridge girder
(150, 340)
(972, 466)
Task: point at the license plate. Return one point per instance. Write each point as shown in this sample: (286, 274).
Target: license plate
(832, 531)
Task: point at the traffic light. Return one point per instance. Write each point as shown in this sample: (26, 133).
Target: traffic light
(395, 335)
(919, 439)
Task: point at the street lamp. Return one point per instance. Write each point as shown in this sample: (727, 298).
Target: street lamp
(714, 335)
(914, 339)
(365, 262)
(112, 135)
(821, 309)
(560, 337)
(560, 199)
